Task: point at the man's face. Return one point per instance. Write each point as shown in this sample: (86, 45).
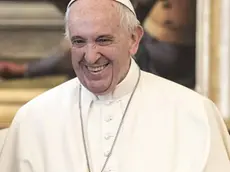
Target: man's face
(101, 47)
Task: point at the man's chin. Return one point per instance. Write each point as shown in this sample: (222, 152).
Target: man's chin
(100, 89)
(97, 90)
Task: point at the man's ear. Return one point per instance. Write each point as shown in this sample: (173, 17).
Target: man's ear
(135, 39)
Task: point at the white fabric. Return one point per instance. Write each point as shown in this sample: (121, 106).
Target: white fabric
(168, 128)
(3, 133)
(102, 120)
(126, 3)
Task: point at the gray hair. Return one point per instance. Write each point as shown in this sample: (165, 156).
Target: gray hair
(128, 20)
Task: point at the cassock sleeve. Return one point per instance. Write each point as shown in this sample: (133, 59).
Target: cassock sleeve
(14, 148)
(219, 154)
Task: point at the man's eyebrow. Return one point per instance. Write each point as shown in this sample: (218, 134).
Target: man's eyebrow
(105, 36)
(76, 37)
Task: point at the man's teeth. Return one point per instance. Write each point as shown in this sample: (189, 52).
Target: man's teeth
(96, 69)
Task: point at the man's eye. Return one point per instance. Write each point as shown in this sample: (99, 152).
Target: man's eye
(104, 41)
(78, 42)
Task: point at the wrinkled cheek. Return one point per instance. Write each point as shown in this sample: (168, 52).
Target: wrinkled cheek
(76, 58)
(77, 55)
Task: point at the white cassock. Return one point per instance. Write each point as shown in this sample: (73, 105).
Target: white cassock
(168, 128)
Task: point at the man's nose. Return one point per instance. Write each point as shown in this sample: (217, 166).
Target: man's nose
(92, 54)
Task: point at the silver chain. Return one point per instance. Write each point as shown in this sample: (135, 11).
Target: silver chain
(118, 131)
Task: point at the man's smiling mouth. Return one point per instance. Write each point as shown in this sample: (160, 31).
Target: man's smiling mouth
(96, 69)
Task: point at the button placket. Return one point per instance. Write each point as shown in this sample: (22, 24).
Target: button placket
(110, 125)
(107, 122)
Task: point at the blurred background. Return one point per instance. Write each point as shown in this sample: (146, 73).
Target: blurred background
(29, 31)
(186, 41)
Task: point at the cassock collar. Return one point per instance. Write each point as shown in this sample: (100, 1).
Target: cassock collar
(122, 89)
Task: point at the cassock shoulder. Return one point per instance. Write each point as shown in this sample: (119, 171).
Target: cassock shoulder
(202, 132)
(39, 119)
(45, 105)
(167, 91)
(176, 97)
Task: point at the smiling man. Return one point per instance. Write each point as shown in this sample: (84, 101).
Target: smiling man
(102, 44)
(114, 117)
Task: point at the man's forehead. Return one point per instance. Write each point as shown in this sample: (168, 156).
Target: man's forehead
(126, 3)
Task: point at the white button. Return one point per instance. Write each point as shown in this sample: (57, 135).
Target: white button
(108, 118)
(107, 153)
(108, 136)
(108, 102)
